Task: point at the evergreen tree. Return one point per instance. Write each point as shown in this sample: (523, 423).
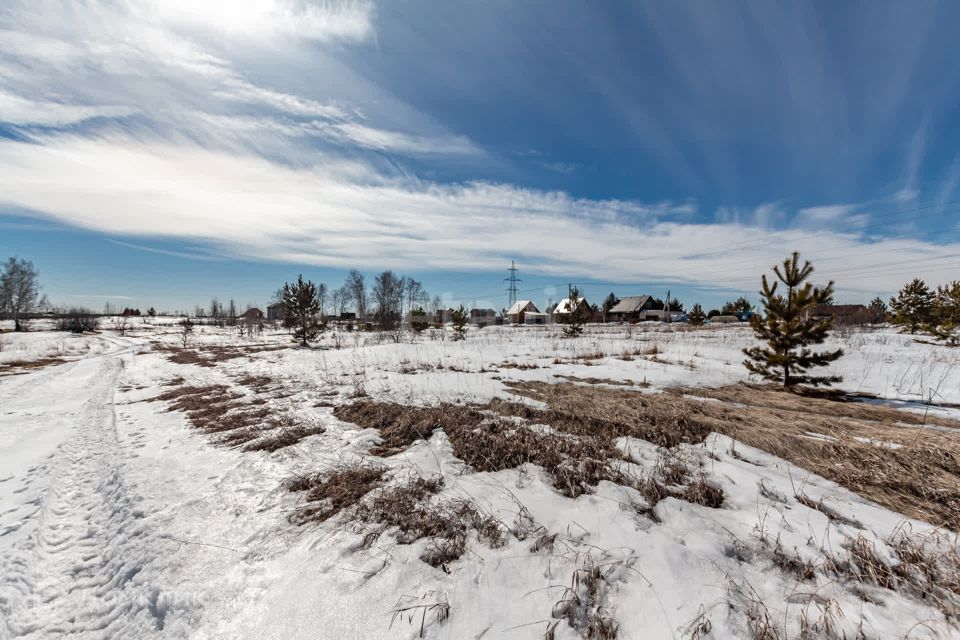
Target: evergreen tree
(878, 309)
(301, 304)
(460, 317)
(789, 328)
(575, 317)
(913, 307)
(609, 303)
(696, 315)
(946, 313)
(740, 305)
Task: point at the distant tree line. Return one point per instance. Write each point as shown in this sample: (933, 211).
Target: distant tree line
(386, 303)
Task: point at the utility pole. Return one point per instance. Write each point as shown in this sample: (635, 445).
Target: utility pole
(513, 280)
(668, 306)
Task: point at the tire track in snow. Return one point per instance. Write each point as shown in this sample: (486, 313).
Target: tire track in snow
(92, 567)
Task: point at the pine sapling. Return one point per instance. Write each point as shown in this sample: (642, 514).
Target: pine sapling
(696, 317)
(575, 316)
(912, 308)
(301, 305)
(460, 317)
(789, 328)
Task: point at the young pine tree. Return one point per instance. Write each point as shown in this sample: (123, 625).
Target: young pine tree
(913, 307)
(575, 317)
(301, 304)
(946, 314)
(789, 328)
(878, 310)
(460, 318)
(696, 315)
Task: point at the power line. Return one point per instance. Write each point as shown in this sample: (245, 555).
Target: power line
(513, 280)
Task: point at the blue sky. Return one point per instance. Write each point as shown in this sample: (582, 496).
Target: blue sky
(161, 153)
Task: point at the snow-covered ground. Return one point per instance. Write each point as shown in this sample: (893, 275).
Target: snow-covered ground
(118, 519)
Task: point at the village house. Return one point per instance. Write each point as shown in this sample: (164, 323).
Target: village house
(633, 309)
(252, 315)
(275, 311)
(517, 314)
(535, 317)
(483, 318)
(565, 306)
(846, 314)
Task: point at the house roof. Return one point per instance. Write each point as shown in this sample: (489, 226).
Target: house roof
(564, 305)
(523, 305)
(630, 304)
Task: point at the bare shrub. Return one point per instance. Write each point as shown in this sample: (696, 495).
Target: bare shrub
(77, 320)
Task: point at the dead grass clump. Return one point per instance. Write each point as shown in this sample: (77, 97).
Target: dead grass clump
(282, 437)
(256, 382)
(518, 365)
(400, 426)
(597, 410)
(237, 420)
(703, 493)
(329, 494)
(408, 508)
(926, 568)
(15, 367)
(609, 381)
(583, 602)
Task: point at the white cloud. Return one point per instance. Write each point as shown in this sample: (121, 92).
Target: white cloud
(17, 110)
(337, 20)
(337, 215)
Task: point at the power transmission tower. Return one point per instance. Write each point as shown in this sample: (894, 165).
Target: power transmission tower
(513, 280)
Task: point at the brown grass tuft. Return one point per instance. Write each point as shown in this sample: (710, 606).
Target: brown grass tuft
(329, 494)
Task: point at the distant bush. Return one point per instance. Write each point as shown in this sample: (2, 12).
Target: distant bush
(77, 320)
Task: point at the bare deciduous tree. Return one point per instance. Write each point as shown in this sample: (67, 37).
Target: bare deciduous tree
(19, 290)
(388, 299)
(358, 293)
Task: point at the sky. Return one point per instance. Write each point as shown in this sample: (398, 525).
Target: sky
(161, 153)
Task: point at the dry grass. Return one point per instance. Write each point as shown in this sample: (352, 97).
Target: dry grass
(209, 356)
(16, 367)
(329, 494)
(410, 509)
(609, 381)
(236, 419)
(920, 478)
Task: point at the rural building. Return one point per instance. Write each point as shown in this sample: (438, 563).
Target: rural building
(846, 314)
(443, 316)
(565, 306)
(535, 317)
(252, 315)
(418, 318)
(518, 312)
(483, 317)
(633, 309)
(275, 311)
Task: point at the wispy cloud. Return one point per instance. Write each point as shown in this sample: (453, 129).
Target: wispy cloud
(323, 215)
